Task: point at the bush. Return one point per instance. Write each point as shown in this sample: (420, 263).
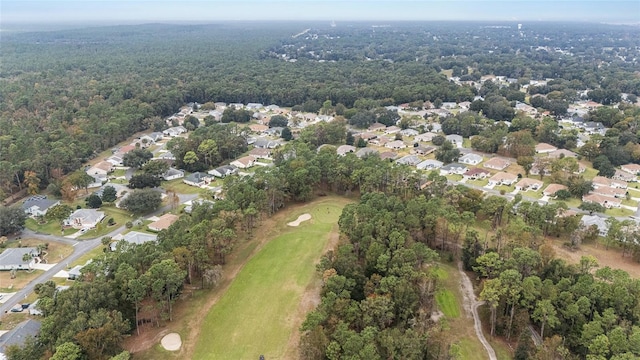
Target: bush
(128, 225)
(111, 222)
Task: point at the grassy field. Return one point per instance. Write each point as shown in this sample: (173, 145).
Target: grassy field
(51, 227)
(257, 313)
(54, 253)
(447, 303)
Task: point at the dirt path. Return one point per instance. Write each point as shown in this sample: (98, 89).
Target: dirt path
(470, 305)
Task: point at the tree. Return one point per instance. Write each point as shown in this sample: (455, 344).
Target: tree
(93, 201)
(155, 168)
(144, 180)
(208, 148)
(545, 313)
(592, 207)
(32, 181)
(142, 201)
(604, 166)
(526, 162)
(67, 351)
(491, 293)
(278, 121)
(165, 281)
(438, 140)
(190, 158)
(447, 153)
(286, 134)
(136, 158)
(109, 194)
(12, 220)
(58, 212)
(80, 180)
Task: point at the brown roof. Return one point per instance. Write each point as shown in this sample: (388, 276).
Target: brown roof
(104, 165)
(126, 149)
(554, 188)
(260, 152)
(476, 171)
(388, 155)
(497, 163)
(600, 199)
(526, 182)
(163, 222)
(545, 146)
(503, 176)
(246, 160)
(258, 127)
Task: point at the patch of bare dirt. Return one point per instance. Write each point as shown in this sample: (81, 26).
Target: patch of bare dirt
(611, 257)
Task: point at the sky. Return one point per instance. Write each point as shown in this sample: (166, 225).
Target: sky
(199, 11)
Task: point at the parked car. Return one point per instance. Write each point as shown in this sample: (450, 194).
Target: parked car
(17, 308)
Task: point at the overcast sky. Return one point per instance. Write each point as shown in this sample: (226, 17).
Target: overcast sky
(144, 11)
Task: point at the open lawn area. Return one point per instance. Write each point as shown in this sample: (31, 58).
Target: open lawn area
(23, 277)
(180, 187)
(262, 307)
(507, 189)
(454, 177)
(532, 194)
(478, 182)
(51, 227)
(611, 257)
(619, 212)
(55, 252)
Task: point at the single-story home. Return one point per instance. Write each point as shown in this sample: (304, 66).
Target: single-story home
(197, 202)
(476, 173)
(422, 150)
(366, 152)
(605, 201)
(597, 221)
(115, 159)
(151, 138)
(631, 168)
(395, 145)
(497, 163)
(470, 159)
(599, 181)
(345, 149)
(163, 222)
(244, 162)
(101, 168)
(392, 130)
(174, 131)
(266, 143)
(503, 178)
(429, 165)
(426, 137)
(197, 179)
(13, 258)
(258, 129)
(610, 192)
(526, 184)
(172, 174)
(75, 272)
(84, 218)
(223, 171)
(388, 155)
(409, 132)
(624, 176)
(379, 141)
(560, 153)
(377, 127)
(38, 205)
(367, 136)
(411, 160)
(552, 189)
(544, 148)
(18, 335)
(132, 237)
(260, 153)
(455, 139)
(454, 168)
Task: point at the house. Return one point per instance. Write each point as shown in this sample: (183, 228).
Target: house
(172, 174)
(597, 221)
(552, 189)
(101, 168)
(388, 155)
(151, 138)
(409, 132)
(258, 129)
(13, 258)
(366, 152)
(599, 181)
(96, 181)
(470, 159)
(408, 160)
(244, 162)
(605, 201)
(497, 163)
(174, 131)
(345, 149)
(426, 137)
(116, 159)
(561, 153)
(527, 184)
(631, 168)
(377, 127)
(260, 153)
(380, 141)
(454, 168)
(125, 149)
(76, 271)
(266, 143)
(166, 155)
(610, 192)
(223, 171)
(476, 173)
(18, 335)
(395, 145)
(367, 136)
(120, 189)
(624, 176)
(197, 179)
(38, 205)
(544, 148)
(84, 218)
(132, 237)
(163, 222)
(429, 165)
(274, 131)
(392, 130)
(254, 106)
(454, 139)
(502, 178)
(422, 150)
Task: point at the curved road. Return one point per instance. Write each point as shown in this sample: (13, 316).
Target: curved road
(79, 249)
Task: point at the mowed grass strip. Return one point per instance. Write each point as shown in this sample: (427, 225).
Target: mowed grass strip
(256, 314)
(447, 303)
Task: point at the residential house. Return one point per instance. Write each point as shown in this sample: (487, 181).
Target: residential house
(552, 189)
(367, 136)
(75, 272)
(125, 149)
(395, 145)
(527, 184)
(254, 106)
(624, 176)
(497, 163)
(266, 143)
(422, 150)
(223, 171)
(38, 205)
(610, 192)
(607, 202)
(502, 178)
(274, 131)
(455, 139)
(451, 169)
(544, 148)
(380, 141)
(96, 181)
(132, 237)
(163, 222)
(197, 202)
(388, 155)
(392, 130)
(430, 165)
(377, 127)
(197, 179)
(18, 335)
(599, 181)
(14, 258)
(244, 162)
(172, 174)
(560, 153)
(260, 153)
(151, 138)
(631, 168)
(434, 127)
(470, 159)
(426, 137)
(409, 132)
(594, 220)
(101, 168)
(174, 131)
(366, 152)
(84, 218)
(116, 159)
(120, 189)
(345, 149)
(476, 173)
(258, 129)
(592, 127)
(411, 160)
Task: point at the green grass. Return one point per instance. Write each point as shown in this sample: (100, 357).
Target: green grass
(447, 303)
(51, 227)
(507, 189)
(254, 316)
(589, 173)
(478, 182)
(454, 177)
(619, 212)
(629, 202)
(120, 216)
(180, 187)
(118, 173)
(532, 194)
(471, 350)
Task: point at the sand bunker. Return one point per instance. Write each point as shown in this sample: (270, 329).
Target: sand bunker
(171, 342)
(301, 218)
